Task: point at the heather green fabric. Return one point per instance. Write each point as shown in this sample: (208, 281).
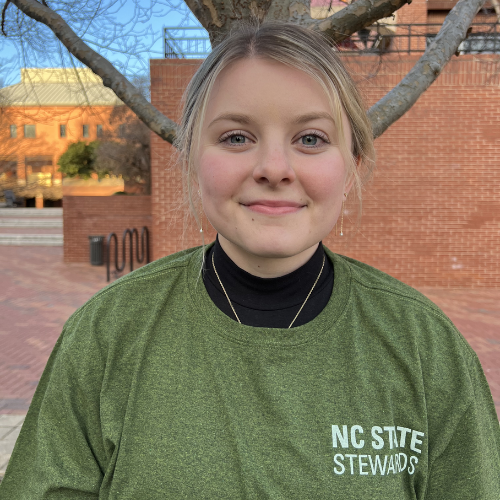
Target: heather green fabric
(151, 392)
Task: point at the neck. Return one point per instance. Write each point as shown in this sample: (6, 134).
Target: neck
(264, 266)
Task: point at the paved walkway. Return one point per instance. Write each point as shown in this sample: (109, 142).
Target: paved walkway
(39, 292)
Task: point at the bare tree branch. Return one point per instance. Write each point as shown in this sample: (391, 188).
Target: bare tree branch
(4, 11)
(111, 77)
(218, 16)
(356, 16)
(402, 97)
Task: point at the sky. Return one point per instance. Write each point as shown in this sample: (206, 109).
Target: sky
(143, 28)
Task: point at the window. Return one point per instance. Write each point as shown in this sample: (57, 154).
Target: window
(30, 131)
(13, 131)
(38, 162)
(62, 131)
(8, 165)
(99, 130)
(85, 131)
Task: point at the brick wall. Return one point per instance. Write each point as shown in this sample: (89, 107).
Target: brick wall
(431, 214)
(85, 216)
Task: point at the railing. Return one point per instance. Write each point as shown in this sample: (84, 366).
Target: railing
(380, 38)
(186, 42)
(140, 257)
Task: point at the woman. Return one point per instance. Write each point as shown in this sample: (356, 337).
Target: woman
(284, 371)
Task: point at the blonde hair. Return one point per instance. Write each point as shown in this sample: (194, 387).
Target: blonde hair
(296, 47)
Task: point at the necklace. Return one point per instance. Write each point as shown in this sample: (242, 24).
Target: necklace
(301, 307)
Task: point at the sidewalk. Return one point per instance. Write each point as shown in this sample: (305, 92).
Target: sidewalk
(10, 426)
(39, 292)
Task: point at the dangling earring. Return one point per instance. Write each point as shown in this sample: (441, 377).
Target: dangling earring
(342, 216)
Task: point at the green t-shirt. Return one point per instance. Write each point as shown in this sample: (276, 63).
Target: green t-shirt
(152, 392)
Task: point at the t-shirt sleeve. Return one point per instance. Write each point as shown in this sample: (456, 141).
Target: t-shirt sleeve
(60, 451)
(468, 467)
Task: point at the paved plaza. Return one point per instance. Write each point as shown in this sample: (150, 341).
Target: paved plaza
(39, 292)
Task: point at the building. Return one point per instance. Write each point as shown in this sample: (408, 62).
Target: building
(40, 117)
(431, 213)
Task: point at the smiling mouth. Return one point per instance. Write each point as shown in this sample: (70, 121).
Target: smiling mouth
(273, 207)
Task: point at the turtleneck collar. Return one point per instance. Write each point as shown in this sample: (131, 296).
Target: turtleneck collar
(271, 302)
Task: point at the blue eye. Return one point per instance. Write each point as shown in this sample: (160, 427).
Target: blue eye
(238, 139)
(309, 140)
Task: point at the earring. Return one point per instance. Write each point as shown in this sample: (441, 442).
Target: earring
(342, 216)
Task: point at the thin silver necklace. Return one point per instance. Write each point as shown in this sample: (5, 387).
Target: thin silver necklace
(301, 307)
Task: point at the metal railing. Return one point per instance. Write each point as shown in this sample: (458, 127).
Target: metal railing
(186, 42)
(380, 38)
(483, 38)
(144, 254)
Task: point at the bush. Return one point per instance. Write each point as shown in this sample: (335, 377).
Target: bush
(79, 160)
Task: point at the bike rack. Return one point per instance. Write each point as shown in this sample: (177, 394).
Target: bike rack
(144, 253)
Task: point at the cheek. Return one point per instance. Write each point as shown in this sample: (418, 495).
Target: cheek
(325, 181)
(218, 175)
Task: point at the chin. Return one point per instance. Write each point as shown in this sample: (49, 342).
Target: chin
(276, 250)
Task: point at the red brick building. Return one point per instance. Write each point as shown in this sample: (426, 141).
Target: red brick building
(431, 213)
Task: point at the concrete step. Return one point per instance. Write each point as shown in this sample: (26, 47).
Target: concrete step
(10, 239)
(18, 213)
(38, 223)
(30, 230)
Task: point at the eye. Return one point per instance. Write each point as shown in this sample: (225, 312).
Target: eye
(234, 138)
(313, 140)
(309, 140)
(237, 139)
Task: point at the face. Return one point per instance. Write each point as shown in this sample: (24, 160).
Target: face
(270, 171)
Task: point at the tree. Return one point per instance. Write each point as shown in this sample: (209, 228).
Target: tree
(125, 151)
(78, 160)
(219, 16)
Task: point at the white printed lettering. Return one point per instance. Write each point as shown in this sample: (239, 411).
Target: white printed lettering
(378, 464)
(411, 467)
(393, 438)
(391, 465)
(404, 431)
(336, 458)
(401, 466)
(343, 438)
(351, 457)
(354, 442)
(415, 441)
(397, 465)
(362, 464)
(378, 442)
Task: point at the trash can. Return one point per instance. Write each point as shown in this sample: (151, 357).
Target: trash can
(96, 250)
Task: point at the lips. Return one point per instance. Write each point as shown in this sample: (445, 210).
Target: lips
(273, 207)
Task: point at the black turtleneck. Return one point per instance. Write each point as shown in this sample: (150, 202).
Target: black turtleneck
(269, 302)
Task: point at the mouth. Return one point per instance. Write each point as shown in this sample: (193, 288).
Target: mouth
(273, 207)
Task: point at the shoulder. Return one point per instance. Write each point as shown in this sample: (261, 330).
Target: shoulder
(136, 295)
(400, 307)
(375, 281)
(416, 333)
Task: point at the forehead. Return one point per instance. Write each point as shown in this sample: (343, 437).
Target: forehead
(258, 86)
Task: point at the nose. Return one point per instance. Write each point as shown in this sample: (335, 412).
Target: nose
(274, 167)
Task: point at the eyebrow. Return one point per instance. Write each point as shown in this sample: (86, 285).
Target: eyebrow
(245, 119)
